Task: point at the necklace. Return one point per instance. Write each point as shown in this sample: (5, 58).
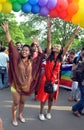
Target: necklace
(25, 63)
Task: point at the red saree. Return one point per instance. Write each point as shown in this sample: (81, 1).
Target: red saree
(42, 96)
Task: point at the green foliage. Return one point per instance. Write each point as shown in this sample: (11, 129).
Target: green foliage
(15, 31)
(28, 31)
(35, 25)
(61, 30)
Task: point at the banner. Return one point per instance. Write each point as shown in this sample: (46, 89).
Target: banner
(66, 81)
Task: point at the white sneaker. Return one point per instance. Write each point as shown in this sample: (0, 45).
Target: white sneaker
(42, 117)
(22, 120)
(15, 123)
(48, 116)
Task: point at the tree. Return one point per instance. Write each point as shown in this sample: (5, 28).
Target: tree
(61, 30)
(28, 31)
(15, 31)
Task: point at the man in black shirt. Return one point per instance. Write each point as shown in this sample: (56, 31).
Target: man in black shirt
(75, 92)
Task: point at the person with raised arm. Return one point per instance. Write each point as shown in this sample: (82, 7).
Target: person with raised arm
(20, 70)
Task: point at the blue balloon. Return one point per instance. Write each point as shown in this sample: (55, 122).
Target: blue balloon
(33, 2)
(26, 8)
(35, 9)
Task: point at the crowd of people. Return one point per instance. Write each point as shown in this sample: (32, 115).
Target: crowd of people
(29, 67)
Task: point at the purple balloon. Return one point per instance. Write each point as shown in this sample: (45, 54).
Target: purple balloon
(51, 4)
(43, 2)
(44, 11)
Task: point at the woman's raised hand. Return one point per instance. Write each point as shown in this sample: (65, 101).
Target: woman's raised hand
(5, 26)
(35, 40)
(6, 30)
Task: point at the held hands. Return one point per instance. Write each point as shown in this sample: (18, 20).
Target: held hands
(5, 26)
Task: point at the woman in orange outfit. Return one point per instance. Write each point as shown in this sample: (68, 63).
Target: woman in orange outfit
(52, 72)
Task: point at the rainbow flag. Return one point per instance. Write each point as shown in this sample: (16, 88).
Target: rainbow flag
(66, 72)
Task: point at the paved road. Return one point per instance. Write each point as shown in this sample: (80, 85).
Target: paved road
(62, 117)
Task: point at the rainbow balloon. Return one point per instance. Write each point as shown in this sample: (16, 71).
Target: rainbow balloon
(68, 10)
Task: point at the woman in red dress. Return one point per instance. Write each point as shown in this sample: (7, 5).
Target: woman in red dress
(52, 74)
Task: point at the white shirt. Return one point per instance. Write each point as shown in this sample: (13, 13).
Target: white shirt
(4, 58)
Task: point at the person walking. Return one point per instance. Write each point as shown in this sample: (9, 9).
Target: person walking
(52, 72)
(4, 60)
(79, 76)
(20, 70)
(75, 92)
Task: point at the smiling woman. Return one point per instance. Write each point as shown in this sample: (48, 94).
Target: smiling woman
(20, 71)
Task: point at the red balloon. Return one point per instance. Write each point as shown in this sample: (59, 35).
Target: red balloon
(61, 5)
(63, 14)
(53, 13)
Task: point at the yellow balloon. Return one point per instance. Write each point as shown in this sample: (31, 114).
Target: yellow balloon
(3, 1)
(81, 4)
(0, 7)
(81, 16)
(7, 7)
(75, 19)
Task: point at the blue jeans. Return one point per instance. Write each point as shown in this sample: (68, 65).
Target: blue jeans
(79, 105)
(3, 80)
(75, 92)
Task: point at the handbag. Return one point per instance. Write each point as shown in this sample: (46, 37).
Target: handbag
(48, 87)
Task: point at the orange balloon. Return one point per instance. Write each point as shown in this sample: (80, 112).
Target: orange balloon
(72, 8)
(68, 18)
(76, 1)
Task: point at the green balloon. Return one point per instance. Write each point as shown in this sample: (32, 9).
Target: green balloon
(22, 1)
(16, 6)
(12, 1)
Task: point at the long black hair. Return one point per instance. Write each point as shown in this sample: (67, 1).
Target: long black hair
(52, 56)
